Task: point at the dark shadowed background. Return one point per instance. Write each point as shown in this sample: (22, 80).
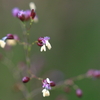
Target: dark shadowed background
(74, 28)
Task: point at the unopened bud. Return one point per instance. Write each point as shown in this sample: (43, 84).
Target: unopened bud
(79, 92)
(25, 79)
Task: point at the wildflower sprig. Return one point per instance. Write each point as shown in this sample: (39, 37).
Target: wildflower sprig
(43, 42)
(47, 84)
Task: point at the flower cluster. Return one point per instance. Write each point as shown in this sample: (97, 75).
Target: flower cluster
(13, 41)
(93, 73)
(47, 84)
(9, 39)
(43, 42)
(23, 15)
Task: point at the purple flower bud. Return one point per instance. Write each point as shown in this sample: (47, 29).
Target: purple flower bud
(16, 37)
(10, 36)
(79, 92)
(25, 79)
(93, 73)
(42, 40)
(22, 15)
(15, 11)
(28, 12)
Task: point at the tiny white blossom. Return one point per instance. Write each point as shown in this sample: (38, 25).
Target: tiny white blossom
(2, 43)
(45, 92)
(43, 48)
(43, 42)
(48, 44)
(32, 5)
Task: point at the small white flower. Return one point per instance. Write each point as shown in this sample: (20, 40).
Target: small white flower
(48, 44)
(43, 48)
(43, 42)
(45, 92)
(32, 6)
(2, 43)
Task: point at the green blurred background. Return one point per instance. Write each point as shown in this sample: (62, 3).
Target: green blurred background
(74, 28)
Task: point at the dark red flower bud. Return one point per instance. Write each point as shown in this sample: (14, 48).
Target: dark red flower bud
(10, 36)
(40, 44)
(52, 84)
(40, 41)
(79, 92)
(32, 14)
(25, 79)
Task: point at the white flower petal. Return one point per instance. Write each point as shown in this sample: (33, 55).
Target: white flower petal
(48, 45)
(45, 92)
(48, 80)
(2, 43)
(32, 5)
(43, 48)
